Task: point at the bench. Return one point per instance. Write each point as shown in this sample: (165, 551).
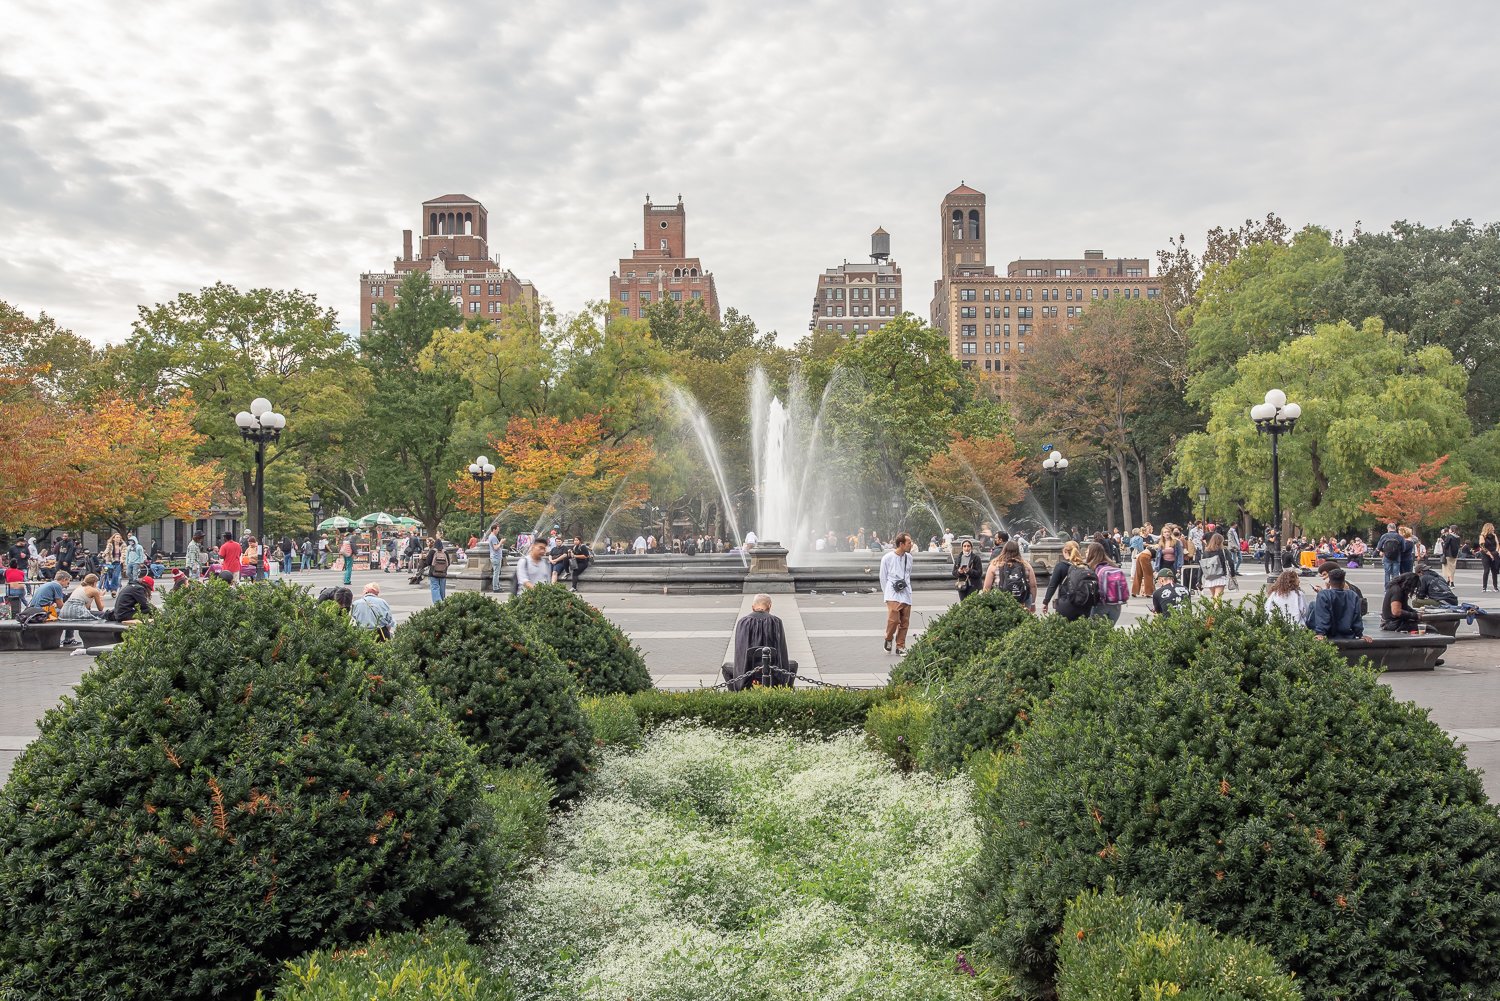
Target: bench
(49, 635)
(1397, 651)
(1447, 622)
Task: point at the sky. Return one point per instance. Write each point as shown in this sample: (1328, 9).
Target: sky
(152, 149)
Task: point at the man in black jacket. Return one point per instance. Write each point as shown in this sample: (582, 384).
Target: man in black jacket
(133, 601)
(754, 635)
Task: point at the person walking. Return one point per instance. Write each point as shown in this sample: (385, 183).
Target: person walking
(1285, 597)
(1268, 544)
(1489, 557)
(114, 563)
(1450, 542)
(1232, 549)
(1067, 574)
(435, 562)
(1113, 590)
(306, 552)
(533, 568)
(895, 587)
(194, 561)
(1142, 580)
(1408, 550)
(287, 549)
(1009, 572)
(230, 556)
(967, 570)
(1389, 546)
(135, 558)
(1215, 564)
(346, 553)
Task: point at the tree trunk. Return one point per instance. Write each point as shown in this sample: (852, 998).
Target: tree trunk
(1126, 524)
(1109, 507)
(1140, 484)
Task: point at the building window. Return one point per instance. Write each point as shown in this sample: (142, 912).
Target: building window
(968, 312)
(473, 305)
(1007, 330)
(374, 309)
(378, 291)
(1006, 346)
(1007, 295)
(1022, 329)
(1096, 293)
(1152, 293)
(624, 295)
(1028, 295)
(1064, 272)
(986, 295)
(1021, 347)
(1135, 272)
(645, 295)
(625, 312)
(494, 307)
(1069, 296)
(474, 289)
(974, 225)
(1023, 312)
(958, 224)
(968, 348)
(969, 329)
(967, 295)
(676, 296)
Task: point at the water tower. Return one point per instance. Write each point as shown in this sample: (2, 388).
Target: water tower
(880, 246)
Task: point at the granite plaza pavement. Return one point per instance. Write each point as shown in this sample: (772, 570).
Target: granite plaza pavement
(836, 638)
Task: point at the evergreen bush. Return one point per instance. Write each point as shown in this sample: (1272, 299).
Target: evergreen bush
(899, 729)
(595, 651)
(1124, 948)
(503, 687)
(953, 639)
(808, 712)
(986, 706)
(236, 784)
(1245, 769)
(434, 964)
(518, 800)
(612, 720)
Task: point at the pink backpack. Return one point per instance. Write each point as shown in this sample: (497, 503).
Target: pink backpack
(1114, 589)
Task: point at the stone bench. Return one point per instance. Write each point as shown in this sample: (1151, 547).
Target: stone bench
(1397, 651)
(1447, 622)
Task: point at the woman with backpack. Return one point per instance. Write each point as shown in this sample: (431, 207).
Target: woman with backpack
(1489, 556)
(967, 570)
(1114, 590)
(1215, 564)
(1008, 572)
(435, 562)
(1068, 585)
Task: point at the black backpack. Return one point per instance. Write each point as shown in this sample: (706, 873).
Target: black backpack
(1390, 547)
(1081, 588)
(1013, 579)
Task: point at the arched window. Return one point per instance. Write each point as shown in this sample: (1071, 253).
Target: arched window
(432, 222)
(469, 223)
(693, 272)
(676, 272)
(973, 224)
(958, 224)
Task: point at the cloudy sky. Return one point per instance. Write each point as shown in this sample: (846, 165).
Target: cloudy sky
(147, 149)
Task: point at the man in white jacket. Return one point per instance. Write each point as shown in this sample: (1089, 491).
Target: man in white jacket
(895, 585)
(533, 568)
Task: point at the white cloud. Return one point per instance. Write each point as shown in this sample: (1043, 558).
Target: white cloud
(145, 150)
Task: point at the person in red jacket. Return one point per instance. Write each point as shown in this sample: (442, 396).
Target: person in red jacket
(229, 555)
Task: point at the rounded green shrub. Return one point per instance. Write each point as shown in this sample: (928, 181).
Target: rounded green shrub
(435, 964)
(957, 636)
(1123, 948)
(237, 783)
(613, 720)
(985, 706)
(899, 729)
(1245, 769)
(595, 651)
(503, 687)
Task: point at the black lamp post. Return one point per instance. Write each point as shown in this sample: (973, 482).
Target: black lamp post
(1203, 504)
(1275, 417)
(260, 424)
(315, 505)
(1055, 466)
(482, 471)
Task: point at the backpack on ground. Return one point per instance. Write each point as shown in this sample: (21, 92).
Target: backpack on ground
(1390, 547)
(1081, 588)
(1013, 579)
(439, 562)
(1114, 588)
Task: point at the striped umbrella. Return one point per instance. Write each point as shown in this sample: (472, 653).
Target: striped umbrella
(337, 521)
(375, 518)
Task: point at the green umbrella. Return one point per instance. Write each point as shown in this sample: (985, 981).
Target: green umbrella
(337, 521)
(376, 518)
(407, 522)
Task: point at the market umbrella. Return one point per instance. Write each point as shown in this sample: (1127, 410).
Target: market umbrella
(407, 522)
(376, 518)
(337, 521)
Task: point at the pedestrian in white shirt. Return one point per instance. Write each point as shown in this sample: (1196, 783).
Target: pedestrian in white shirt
(895, 585)
(533, 568)
(640, 545)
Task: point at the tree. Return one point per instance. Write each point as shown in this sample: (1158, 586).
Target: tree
(59, 360)
(980, 473)
(1369, 398)
(226, 347)
(690, 328)
(1420, 498)
(1438, 286)
(1267, 294)
(413, 412)
(556, 468)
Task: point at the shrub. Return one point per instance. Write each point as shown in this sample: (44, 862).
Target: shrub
(234, 785)
(899, 729)
(1123, 948)
(503, 687)
(612, 720)
(986, 706)
(815, 712)
(518, 799)
(595, 651)
(1245, 769)
(434, 964)
(957, 636)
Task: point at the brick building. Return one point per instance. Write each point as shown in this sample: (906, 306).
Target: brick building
(990, 318)
(454, 252)
(859, 298)
(659, 269)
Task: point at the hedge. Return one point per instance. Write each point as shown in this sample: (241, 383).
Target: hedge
(435, 964)
(595, 651)
(1244, 768)
(815, 712)
(953, 639)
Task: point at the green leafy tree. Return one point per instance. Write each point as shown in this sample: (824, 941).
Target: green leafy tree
(1436, 285)
(1267, 294)
(228, 347)
(60, 360)
(413, 413)
(1369, 398)
(690, 328)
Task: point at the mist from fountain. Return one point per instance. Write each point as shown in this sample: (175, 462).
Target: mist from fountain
(697, 420)
(988, 509)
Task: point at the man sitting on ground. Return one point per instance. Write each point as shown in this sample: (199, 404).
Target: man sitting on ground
(754, 635)
(1335, 611)
(1168, 594)
(1396, 611)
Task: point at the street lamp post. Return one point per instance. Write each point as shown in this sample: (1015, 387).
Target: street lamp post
(1203, 504)
(1055, 466)
(315, 506)
(482, 471)
(1275, 417)
(260, 424)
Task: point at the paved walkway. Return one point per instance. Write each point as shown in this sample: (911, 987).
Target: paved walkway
(836, 638)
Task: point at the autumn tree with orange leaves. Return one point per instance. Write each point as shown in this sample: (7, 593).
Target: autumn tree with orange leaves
(982, 474)
(1421, 498)
(564, 470)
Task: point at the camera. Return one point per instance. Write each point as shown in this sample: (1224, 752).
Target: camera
(899, 585)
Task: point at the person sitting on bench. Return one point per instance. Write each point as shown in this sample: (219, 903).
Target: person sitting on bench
(1396, 612)
(1432, 591)
(759, 638)
(134, 600)
(1335, 611)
